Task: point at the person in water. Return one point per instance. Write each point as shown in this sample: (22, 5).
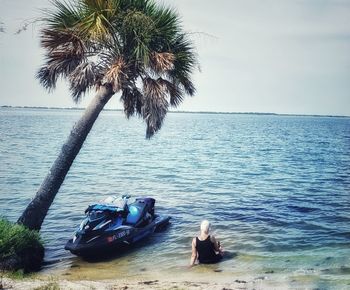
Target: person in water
(205, 248)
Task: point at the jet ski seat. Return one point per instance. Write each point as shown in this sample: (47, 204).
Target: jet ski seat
(135, 214)
(140, 211)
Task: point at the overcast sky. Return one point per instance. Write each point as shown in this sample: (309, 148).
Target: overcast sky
(281, 56)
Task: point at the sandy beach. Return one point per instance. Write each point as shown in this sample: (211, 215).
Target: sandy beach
(56, 283)
(198, 278)
(112, 284)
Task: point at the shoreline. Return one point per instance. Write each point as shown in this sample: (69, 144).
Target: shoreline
(199, 283)
(112, 284)
(198, 277)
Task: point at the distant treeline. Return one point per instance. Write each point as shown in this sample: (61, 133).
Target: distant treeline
(186, 112)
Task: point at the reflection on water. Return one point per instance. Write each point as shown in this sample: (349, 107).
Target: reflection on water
(276, 189)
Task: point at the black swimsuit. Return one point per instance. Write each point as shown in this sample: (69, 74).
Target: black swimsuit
(206, 251)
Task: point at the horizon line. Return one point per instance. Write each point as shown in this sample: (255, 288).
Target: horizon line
(187, 112)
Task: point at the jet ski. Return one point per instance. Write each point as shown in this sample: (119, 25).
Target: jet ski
(115, 223)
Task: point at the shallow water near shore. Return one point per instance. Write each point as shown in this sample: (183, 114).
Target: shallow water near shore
(275, 188)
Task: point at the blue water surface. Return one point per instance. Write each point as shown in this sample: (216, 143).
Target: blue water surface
(275, 188)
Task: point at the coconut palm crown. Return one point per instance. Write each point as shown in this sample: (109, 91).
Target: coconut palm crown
(136, 47)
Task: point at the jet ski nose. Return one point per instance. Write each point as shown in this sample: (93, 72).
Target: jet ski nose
(76, 239)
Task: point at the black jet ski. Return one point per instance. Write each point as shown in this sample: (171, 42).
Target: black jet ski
(115, 223)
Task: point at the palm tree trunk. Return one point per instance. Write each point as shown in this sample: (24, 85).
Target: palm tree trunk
(34, 215)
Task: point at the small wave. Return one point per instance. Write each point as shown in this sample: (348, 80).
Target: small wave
(302, 209)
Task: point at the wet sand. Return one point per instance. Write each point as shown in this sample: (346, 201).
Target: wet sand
(199, 277)
(54, 282)
(84, 275)
(112, 284)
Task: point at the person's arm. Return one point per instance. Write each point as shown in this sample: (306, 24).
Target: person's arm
(194, 253)
(217, 248)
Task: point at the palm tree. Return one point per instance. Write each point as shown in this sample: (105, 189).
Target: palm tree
(132, 47)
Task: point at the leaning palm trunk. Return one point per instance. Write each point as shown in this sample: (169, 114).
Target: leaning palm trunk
(33, 216)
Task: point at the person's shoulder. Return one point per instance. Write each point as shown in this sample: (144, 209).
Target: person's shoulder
(194, 241)
(212, 238)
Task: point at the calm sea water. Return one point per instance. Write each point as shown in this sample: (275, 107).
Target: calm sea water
(275, 188)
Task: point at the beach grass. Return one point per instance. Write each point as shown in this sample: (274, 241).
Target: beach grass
(20, 248)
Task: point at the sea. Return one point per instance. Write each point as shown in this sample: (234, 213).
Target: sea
(275, 188)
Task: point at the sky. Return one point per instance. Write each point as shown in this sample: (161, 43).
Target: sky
(277, 56)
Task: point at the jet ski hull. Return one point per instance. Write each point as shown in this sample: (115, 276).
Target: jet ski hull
(112, 241)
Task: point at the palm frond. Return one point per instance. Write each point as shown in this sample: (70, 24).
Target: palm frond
(63, 39)
(65, 48)
(162, 61)
(132, 101)
(58, 63)
(63, 63)
(184, 64)
(47, 78)
(117, 74)
(90, 19)
(93, 27)
(65, 15)
(176, 94)
(155, 105)
(167, 26)
(188, 85)
(82, 79)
